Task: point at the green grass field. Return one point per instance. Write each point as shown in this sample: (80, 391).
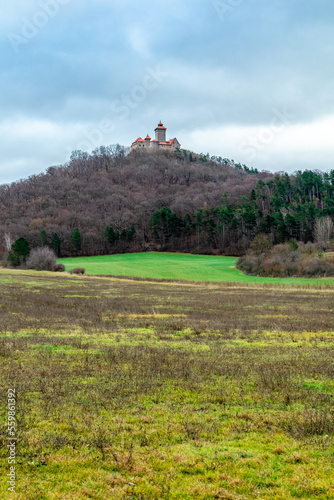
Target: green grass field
(176, 266)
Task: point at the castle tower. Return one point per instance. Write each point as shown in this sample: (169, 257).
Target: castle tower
(159, 143)
(160, 133)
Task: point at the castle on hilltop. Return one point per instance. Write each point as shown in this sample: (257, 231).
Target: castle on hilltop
(159, 143)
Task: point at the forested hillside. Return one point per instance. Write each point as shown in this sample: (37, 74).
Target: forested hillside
(111, 201)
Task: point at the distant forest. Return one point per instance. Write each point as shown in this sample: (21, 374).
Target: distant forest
(111, 202)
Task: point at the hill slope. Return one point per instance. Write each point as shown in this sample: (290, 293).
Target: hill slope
(111, 189)
(160, 201)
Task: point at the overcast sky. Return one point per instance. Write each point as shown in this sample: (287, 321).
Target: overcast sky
(249, 80)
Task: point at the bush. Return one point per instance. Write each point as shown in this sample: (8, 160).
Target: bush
(77, 270)
(59, 268)
(289, 259)
(260, 244)
(309, 248)
(42, 259)
(317, 266)
(4, 262)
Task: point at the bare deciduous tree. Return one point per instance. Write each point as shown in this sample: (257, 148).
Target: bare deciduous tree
(8, 241)
(42, 259)
(323, 229)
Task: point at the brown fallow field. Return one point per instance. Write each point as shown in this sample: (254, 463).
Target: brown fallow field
(130, 389)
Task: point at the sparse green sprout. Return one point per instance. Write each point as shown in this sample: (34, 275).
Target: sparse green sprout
(293, 245)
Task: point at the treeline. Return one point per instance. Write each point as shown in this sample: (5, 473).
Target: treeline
(285, 207)
(111, 201)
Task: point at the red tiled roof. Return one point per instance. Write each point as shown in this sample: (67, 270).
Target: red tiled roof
(138, 140)
(168, 143)
(148, 138)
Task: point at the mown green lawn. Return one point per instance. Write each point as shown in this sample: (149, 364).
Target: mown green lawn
(175, 266)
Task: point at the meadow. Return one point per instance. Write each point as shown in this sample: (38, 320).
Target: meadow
(176, 266)
(129, 389)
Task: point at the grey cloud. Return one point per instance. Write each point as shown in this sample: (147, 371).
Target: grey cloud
(235, 71)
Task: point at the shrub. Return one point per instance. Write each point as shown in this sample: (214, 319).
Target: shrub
(317, 266)
(59, 268)
(260, 244)
(42, 259)
(289, 259)
(77, 270)
(248, 264)
(4, 261)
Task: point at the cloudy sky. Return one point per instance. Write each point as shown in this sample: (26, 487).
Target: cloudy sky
(250, 80)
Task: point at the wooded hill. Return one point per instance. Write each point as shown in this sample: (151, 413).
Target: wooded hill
(111, 201)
